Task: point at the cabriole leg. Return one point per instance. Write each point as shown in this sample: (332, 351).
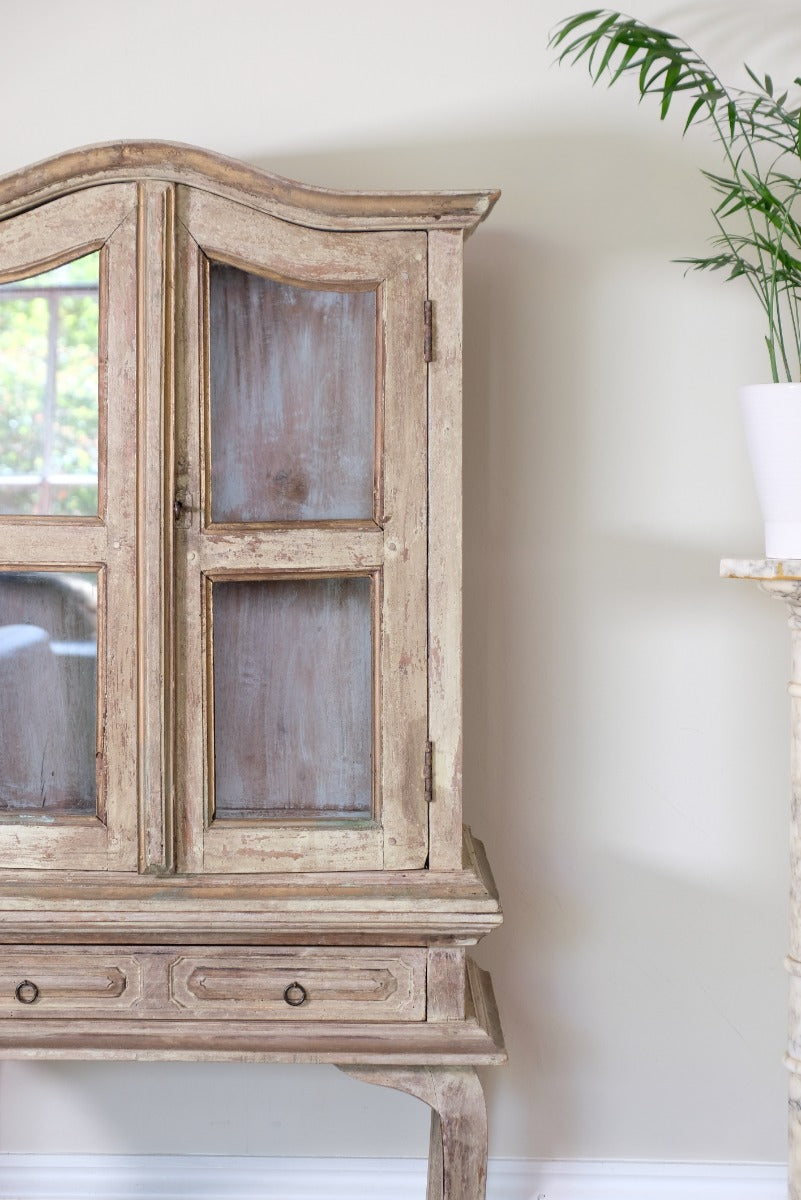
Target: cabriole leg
(457, 1160)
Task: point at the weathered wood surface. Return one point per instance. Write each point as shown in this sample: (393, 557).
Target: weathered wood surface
(145, 949)
(154, 1027)
(105, 219)
(394, 266)
(72, 226)
(324, 984)
(319, 208)
(457, 1163)
(446, 983)
(445, 548)
(154, 533)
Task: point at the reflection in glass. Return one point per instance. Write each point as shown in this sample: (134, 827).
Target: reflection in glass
(49, 391)
(293, 698)
(292, 380)
(48, 691)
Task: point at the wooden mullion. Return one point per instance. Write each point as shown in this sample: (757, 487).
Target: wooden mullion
(188, 652)
(118, 651)
(327, 551)
(40, 542)
(154, 507)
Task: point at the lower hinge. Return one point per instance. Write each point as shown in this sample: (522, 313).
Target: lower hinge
(428, 328)
(429, 772)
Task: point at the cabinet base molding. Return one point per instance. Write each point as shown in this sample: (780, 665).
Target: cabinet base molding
(205, 1177)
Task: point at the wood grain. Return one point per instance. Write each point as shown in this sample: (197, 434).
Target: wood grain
(104, 835)
(394, 267)
(457, 1164)
(445, 549)
(155, 263)
(320, 208)
(256, 327)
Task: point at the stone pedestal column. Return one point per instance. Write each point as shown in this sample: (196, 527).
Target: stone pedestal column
(782, 581)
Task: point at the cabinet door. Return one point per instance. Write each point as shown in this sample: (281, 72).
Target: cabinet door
(300, 545)
(67, 534)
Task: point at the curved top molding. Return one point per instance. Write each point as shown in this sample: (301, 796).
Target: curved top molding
(302, 204)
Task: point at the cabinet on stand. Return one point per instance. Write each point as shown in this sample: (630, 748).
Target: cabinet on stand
(230, 630)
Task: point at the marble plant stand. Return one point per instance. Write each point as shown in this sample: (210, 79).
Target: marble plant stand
(781, 579)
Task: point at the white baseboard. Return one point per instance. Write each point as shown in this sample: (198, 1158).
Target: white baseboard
(200, 1177)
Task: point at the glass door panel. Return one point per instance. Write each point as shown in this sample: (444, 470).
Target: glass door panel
(300, 544)
(48, 692)
(69, 552)
(49, 391)
(293, 688)
(292, 381)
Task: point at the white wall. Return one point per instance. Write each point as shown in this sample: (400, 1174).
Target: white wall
(626, 718)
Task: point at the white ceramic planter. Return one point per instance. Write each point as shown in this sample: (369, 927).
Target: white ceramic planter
(772, 419)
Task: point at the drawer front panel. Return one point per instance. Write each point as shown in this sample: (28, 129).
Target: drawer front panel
(38, 982)
(287, 983)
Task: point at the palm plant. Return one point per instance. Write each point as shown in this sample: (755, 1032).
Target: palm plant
(757, 196)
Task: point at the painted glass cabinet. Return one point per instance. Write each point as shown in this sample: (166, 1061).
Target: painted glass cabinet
(230, 648)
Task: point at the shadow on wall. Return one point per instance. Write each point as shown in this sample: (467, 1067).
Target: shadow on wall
(593, 1005)
(767, 34)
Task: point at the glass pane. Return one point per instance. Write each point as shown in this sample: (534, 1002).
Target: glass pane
(293, 380)
(293, 698)
(48, 691)
(49, 391)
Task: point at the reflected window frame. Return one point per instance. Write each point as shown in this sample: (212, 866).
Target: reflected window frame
(54, 286)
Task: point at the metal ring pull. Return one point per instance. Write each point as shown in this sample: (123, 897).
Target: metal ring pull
(295, 994)
(26, 992)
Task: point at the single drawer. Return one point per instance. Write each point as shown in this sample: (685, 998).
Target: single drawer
(299, 983)
(73, 982)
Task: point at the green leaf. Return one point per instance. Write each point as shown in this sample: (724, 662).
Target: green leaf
(565, 28)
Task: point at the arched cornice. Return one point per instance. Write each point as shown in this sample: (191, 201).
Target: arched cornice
(302, 204)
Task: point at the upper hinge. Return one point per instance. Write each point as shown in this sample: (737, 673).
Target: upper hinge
(428, 331)
(429, 772)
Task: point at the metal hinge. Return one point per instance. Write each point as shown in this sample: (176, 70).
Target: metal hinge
(428, 771)
(428, 334)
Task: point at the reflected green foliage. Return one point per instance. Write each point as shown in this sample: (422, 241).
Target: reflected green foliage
(49, 405)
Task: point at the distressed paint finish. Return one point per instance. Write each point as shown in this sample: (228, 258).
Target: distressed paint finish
(457, 1162)
(446, 983)
(153, 928)
(315, 207)
(105, 218)
(164, 1002)
(392, 545)
(155, 237)
(445, 549)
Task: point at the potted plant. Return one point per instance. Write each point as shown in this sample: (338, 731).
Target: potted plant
(756, 211)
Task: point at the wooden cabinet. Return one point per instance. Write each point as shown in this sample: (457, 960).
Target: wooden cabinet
(230, 623)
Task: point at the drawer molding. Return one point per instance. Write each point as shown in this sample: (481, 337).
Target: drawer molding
(357, 984)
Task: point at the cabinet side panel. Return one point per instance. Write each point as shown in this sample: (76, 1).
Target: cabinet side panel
(445, 550)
